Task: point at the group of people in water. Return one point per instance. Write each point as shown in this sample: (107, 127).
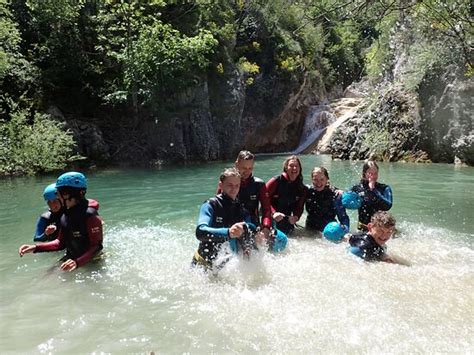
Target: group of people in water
(72, 222)
(245, 214)
(245, 205)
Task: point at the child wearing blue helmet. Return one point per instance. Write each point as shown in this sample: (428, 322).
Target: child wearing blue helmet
(47, 227)
(80, 230)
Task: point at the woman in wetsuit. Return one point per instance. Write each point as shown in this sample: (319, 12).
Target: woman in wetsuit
(375, 196)
(287, 195)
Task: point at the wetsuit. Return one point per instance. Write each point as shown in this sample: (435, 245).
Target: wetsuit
(46, 219)
(80, 233)
(364, 246)
(378, 199)
(252, 192)
(216, 216)
(286, 197)
(323, 207)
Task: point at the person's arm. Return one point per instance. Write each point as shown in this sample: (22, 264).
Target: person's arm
(265, 207)
(299, 208)
(384, 199)
(95, 235)
(204, 231)
(341, 213)
(53, 245)
(271, 187)
(41, 225)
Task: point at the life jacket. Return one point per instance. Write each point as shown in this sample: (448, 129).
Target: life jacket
(52, 218)
(74, 227)
(368, 248)
(249, 197)
(371, 203)
(225, 213)
(287, 195)
(320, 207)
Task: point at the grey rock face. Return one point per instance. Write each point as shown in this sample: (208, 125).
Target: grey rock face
(448, 118)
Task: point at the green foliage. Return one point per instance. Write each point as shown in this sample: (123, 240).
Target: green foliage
(248, 69)
(379, 55)
(16, 74)
(163, 59)
(30, 149)
(377, 141)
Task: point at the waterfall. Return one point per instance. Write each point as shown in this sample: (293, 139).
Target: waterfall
(318, 118)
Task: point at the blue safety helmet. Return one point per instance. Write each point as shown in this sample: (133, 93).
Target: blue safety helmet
(49, 192)
(351, 200)
(72, 179)
(334, 232)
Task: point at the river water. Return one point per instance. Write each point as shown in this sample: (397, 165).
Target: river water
(143, 297)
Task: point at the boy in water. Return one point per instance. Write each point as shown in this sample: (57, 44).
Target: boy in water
(370, 245)
(47, 227)
(254, 198)
(221, 219)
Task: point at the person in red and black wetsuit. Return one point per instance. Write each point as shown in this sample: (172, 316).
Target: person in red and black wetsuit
(80, 227)
(287, 195)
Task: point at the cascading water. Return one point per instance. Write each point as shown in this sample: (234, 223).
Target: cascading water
(318, 118)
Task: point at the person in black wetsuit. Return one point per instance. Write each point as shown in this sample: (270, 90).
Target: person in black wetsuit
(254, 198)
(323, 203)
(370, 245)
(47, 227)
(287, 195)
(376, 196)
(80, 230)
(221, 219)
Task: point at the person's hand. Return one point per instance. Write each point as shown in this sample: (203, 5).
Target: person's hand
(26, 248)
(236, 230)
(266, 232)
(338, 192)
(68, 265)
(278, 216)
(260, 238)
(293, 219)
(50, 229)
(372, 184)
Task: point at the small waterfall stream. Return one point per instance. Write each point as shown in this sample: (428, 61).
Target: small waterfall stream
(321, 122)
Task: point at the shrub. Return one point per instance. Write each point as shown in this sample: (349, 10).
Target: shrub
(29, 149)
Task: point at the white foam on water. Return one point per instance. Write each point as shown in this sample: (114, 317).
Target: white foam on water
(312, 297)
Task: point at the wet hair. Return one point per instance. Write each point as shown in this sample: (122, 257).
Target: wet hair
(320, 170)
(367, 165)
(383, 219)
(245, 155)
(287, 161)
(227, 173)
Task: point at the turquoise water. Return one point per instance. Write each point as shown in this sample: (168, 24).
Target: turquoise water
(315, 297)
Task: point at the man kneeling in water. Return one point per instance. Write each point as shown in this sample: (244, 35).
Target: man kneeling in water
(222, 219)
(370, 245)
